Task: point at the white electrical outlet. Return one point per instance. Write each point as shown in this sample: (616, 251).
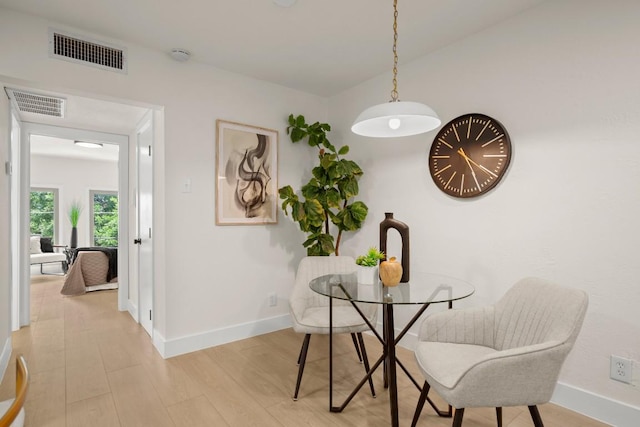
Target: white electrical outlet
(621, 369)
(273, 299)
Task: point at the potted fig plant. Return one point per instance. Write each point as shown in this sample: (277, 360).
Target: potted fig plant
(327, 207)
(368, 266)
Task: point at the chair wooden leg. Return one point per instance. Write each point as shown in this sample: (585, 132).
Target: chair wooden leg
(499, 416)
(355, 344)
(457, 418)
(535, 416)
(366, 362)
(302, 358)
(420, 405)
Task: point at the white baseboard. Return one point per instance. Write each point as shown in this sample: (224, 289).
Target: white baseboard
(594, 406)
(159, 343)
(133, 310)
(177, 346)
(5, 357)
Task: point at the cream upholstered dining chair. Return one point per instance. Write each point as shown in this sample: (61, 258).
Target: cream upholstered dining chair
(507, 354)
(13, 410)
(310, 311)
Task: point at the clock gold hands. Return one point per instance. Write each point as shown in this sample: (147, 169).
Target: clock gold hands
(469, 159)
(473, 174)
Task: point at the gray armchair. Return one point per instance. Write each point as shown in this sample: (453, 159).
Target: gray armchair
(310, 311)
(508, 354)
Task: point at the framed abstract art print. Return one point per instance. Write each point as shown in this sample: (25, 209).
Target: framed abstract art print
(246, 174)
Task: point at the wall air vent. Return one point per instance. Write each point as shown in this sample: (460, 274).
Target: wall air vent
(89, 52)
(37, 103)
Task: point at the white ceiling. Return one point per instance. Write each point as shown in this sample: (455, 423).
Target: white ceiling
(58, 147)
(316, 46)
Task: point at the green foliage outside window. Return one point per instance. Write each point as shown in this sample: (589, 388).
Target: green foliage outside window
(105, 219)
(42, 212)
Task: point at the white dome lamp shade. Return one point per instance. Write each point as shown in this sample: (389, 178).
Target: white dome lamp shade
(395, 118)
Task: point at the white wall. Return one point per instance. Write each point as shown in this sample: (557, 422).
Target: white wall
(563, 79)
(73, 178)
(211, 282)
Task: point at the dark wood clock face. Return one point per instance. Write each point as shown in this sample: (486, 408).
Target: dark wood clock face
(469, 155)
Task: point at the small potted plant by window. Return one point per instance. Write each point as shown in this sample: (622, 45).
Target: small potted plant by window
(75, 208)
(368, 266)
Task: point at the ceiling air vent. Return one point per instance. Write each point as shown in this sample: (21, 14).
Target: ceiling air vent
(89, 52)
(37, 103)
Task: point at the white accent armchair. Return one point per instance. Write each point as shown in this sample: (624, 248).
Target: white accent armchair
(310, 311)
(508, 354)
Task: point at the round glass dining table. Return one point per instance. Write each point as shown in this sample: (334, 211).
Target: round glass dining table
(423, 289)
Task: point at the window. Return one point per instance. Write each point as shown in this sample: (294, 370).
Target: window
(104, 218)
(43, 211)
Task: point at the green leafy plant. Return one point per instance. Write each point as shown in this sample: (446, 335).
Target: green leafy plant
(326, 206)
(371, 258)
(75, 208)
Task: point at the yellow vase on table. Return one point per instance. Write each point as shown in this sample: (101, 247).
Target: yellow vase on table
(390, 272)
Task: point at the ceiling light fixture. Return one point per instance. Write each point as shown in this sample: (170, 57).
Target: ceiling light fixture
(180, 55)
(395, 118)
(87, 144)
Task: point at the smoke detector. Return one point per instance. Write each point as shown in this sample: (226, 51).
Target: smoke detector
(180, 55)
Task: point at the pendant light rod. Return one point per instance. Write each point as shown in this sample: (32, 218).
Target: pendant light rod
(395, 118)
(394, 91)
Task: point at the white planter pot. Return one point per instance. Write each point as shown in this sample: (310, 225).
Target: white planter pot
(367, 275)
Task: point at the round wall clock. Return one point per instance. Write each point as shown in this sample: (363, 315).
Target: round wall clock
(469, 155)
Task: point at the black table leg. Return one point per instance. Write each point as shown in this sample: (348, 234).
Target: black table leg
(331, 355)
(391, 363)
(388, 359)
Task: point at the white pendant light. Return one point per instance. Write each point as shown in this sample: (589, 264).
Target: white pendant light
(395, 118)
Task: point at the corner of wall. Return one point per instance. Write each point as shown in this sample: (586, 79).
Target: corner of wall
(5, 357)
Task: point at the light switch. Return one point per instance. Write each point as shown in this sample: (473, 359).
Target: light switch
(186, 186)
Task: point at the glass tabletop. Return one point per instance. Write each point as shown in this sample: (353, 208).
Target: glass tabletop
(421, 289)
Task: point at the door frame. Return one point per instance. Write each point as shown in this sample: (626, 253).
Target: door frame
(144, 302)
(14, 202)
(29, 129)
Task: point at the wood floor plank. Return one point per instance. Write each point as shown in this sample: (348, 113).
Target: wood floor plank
(136, 401)
(171, 382)
(234, 402)
(117, 354)
(99, 411)
(196, 412)
(46, 357)
(85, 380)
(46, 405)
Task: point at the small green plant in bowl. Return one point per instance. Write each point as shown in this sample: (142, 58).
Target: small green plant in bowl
(371, 258)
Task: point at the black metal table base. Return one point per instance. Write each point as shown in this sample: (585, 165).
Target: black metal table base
(388, 360)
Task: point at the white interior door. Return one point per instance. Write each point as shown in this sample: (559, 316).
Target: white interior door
(145, 222)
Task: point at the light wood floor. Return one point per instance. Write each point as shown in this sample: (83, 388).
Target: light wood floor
(94, 366)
